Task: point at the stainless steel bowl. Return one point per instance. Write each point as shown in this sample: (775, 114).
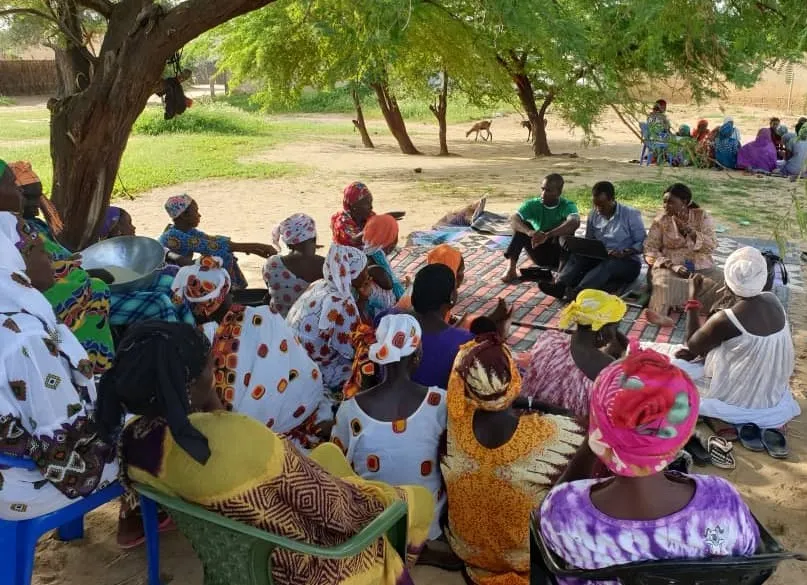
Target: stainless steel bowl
(136, 253)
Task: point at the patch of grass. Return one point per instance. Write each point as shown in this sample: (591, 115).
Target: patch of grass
(215, 118)
(643, 195)
(24, 124)
(6, 101)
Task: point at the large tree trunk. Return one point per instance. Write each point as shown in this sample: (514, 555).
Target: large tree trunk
(90, 128)
(359, 121)
(536, 116)
(439, 111)
(393, 117)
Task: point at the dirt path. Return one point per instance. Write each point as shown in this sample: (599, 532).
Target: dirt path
(248, 209)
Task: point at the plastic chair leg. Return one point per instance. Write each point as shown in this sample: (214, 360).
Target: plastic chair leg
(73, 530)
(148, 508)
(9, 564)
(28, 534)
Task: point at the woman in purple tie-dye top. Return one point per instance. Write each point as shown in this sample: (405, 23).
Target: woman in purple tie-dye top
(643, 411)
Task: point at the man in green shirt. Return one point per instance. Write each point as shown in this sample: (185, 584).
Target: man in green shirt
(539, 224)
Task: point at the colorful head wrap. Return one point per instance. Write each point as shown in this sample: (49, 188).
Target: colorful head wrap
(781, 130)
(294, 230)
(746, 272)
(23, 173)
(683, 130)
(446, 255)
(354, 193)
(643, 411)
(380, 232)
(397, 336)
(177, 205)
(593, 308)
(342, 266)
(111, 219)
(205, 285)
(488, 372)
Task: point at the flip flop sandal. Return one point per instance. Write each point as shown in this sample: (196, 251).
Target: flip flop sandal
(720, 452)
(750, 436)
(723, 430)
(699, 454)
(166, 525)
(775, 443)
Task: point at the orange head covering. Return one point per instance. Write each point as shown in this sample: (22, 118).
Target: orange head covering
(446, 255)
(380, 232)
(23, 173)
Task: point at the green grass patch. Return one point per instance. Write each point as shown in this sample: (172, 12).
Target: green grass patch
(24, 124)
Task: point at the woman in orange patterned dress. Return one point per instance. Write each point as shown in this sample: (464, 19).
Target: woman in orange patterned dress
(498, 459)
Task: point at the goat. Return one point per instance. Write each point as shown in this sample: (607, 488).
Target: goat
(528, 125)
(483, 126)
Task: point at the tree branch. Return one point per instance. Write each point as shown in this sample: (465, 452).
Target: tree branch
(29, 11)
(102, 7)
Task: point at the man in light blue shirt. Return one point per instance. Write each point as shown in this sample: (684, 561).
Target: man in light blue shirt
(621, 229)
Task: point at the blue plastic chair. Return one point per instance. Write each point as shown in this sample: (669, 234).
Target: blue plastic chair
(650, 148)
(18, 538)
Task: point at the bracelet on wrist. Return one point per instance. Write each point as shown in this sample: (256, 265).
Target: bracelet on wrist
(693, 304)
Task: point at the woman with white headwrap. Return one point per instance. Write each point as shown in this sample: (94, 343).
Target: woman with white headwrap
(392, 432)
(749, 354)
(260, 369)
(330, 310)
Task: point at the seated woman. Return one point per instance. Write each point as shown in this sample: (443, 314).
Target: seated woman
(287, 277)
(727, 144)
(561, 368)
(234, 466)
(442, 254)
(184, 239)
(643, 412)
(357, 208)
(748, 349)
(680, 243)
(325, 315)
(260, 368)
(796, 164)
(380, 238)
(47, 391)
(499, 465)
(392, 432)
(117, 222)
(759, 155)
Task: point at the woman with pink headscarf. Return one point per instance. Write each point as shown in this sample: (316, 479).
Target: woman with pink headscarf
(759, 155)
(643, 411)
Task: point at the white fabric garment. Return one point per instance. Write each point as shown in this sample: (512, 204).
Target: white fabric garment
(402, 452)
(747, 378)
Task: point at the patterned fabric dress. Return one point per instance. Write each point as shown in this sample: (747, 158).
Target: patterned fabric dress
(273, 487)
(715, 523)
(284, 286)
(154, 303)
(195, 241)
(401, 452)
(261, 370)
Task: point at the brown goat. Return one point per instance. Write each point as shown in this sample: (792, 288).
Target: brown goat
(528, 125)
(483, 126)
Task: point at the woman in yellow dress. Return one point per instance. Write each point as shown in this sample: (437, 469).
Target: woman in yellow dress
(499, 465)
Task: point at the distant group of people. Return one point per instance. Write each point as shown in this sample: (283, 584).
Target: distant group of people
(349, 389)
(775, 150)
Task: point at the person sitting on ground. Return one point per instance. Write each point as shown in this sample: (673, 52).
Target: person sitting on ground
(643, 412)
(776, 137)
(727, 144)
(561, 368)
(180, 441)
(701, 131)
(357, 208)
(448, 256)
(184, 239)
(380, 238)
(796, 165)
(680, 243)
(392, 432)
(287, 277)
(759, 155)
(326, 314)
(748, 348)
(499, 463)
(47, 391)
(658, 125)
(621, 229)
(802, 121)
(117, 222)
(260, 367)
(537, 226)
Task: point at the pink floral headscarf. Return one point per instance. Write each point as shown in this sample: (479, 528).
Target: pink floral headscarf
(294, 230)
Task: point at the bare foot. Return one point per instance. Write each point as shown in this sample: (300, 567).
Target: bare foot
(658, 320)
(510, 276)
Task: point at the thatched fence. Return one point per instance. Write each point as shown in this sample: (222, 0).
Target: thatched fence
(28, 77)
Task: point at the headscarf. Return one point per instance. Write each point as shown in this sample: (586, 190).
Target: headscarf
(111, 219)
(155, 363)
(802, 135)
(746, 272)
(177, 205)
(294, 230)
(16, 292)
(380, 232)
(488, 373)
(205, 285)
(343, 265)
(781, 130)
(3, 167)
(446, 255)
(397, 337)
(683, 130)
(23, 173)
(593, 308)
(643, 411)
(354, 193)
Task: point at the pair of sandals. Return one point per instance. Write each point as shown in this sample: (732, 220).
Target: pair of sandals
(772, 441)
(712, 449)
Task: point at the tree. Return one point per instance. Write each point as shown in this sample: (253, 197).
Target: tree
(103, 93)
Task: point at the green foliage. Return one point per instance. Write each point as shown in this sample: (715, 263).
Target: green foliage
(6, 101)
(207, 119)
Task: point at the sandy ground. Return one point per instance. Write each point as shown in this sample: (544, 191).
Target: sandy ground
(248, 209)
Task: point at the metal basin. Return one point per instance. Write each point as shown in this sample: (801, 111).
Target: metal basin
(136, 256)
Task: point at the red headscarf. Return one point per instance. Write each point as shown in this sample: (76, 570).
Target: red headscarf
(354, 193)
